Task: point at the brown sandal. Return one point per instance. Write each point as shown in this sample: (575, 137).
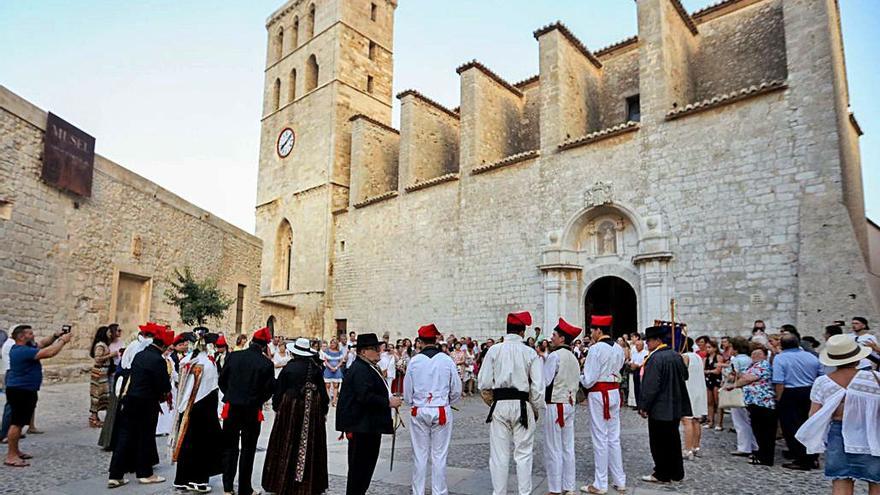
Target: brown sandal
(95, 423)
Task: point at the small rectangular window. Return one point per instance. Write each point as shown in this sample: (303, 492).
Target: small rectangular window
(633, 110)
(369, 84)
(239, 308)
(373, 11)
(372, 52)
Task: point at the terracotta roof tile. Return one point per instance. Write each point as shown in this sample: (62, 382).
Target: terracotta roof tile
(685, 17)
(558, 25)
(415, 186)
(375, 199)
(412, 92)
(632, 40)
(375, 122)
(599, 135)
(473, 64)
(508, 160)
(726, 99)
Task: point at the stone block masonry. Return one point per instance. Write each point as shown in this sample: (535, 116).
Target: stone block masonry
(91, 261)
(711, 159)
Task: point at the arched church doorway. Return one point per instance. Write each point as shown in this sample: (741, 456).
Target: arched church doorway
(270, 322)
(613, 296)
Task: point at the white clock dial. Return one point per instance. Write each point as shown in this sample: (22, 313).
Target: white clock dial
(285, 142)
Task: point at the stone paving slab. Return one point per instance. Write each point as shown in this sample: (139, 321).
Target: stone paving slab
(68, 461)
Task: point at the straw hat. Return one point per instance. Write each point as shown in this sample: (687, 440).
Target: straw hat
(842, 349)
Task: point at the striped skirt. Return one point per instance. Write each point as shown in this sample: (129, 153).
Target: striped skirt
(98, 391)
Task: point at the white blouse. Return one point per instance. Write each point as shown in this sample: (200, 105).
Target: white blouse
(861, 414)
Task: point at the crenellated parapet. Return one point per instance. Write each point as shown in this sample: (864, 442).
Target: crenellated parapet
(498, 119)
(429, 139)
(677, 65)
(374, 162)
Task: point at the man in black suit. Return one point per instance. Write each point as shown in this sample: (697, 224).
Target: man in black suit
(364, 413)
(148, 384)
(664, 400)
(247, 382)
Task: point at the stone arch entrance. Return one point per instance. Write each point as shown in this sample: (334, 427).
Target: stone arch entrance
(616, 297)
(606, 238)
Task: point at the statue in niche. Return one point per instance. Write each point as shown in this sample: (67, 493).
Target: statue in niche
(606, 238)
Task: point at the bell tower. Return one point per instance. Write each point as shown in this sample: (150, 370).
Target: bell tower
(326, 61)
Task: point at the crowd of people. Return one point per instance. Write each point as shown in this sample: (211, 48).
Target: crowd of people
(209, 400)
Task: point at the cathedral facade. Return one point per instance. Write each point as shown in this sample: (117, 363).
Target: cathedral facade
(711, 159)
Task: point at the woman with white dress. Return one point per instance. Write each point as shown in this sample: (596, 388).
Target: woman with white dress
(280, 358)
(696, 387)
(845, 418)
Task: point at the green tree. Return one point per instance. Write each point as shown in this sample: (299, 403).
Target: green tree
(196, 300)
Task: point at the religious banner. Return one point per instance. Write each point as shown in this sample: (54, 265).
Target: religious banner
(68, 157)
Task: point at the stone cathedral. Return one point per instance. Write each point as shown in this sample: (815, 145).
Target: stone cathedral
(712, 158)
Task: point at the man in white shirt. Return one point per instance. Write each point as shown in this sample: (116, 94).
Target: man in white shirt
(388, 365)
(561, 377)
(511, 379)
(637, 354)
(601, 378)
(430, 386)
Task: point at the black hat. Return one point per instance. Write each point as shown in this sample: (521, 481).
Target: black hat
(367, 340)
(211, 338)
(656, 332)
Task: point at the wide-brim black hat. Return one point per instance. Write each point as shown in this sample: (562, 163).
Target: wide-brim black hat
(367, 340)
(656, 332)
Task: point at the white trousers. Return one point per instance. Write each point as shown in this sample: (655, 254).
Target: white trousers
(607, 455)
(504, 428)
(745, 439)
(559, 449)
(430, 441)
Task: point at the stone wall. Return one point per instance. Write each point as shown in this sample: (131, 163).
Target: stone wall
(73, 260)
(742, 207)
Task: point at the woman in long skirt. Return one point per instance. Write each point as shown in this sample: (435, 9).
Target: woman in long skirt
(99, 393)
(296, 458)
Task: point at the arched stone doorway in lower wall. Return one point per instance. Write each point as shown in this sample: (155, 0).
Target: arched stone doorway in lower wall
(613, 296)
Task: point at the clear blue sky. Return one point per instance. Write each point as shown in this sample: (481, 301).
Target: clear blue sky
(172, 89)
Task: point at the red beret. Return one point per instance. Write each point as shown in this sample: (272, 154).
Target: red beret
(153, 329)
(568, 328)
(221, 342)
(523, 318)
(600, 321)
(168, 336)
(263, 335)
(429, 332)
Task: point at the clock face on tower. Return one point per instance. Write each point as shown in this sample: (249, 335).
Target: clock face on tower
(285, 142)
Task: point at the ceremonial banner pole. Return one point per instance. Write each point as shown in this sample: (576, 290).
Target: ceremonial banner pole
(672, 317)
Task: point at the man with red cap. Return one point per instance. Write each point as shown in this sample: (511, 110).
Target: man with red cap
(601, 378)
(431, 385)
(561, 377)
(247, 382)
(148, 383)
(511, 379)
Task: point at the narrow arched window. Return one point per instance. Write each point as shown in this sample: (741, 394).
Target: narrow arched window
(283, 266)
(279, 44)
(291, 90)
(312, 70)
(276, 95)
(310, 22)
(295, 33)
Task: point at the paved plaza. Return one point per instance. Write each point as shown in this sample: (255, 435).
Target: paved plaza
(67, 460)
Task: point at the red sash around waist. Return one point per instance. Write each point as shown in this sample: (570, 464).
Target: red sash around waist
(415, 411)
(604, 387)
